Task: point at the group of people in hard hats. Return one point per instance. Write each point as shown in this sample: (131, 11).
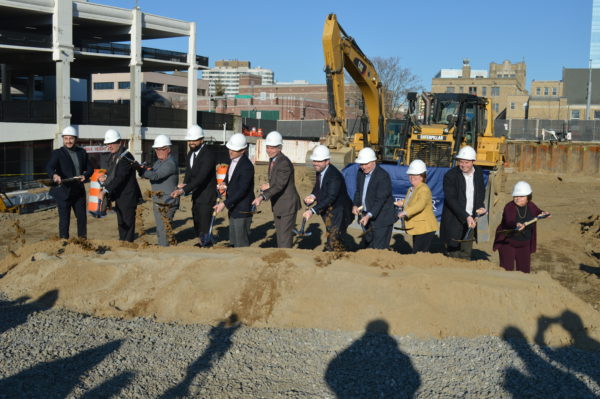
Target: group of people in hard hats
(372, 205)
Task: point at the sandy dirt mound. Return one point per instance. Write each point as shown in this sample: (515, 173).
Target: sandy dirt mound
(424, 295)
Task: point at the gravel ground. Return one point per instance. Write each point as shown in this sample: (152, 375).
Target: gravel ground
(54, 353)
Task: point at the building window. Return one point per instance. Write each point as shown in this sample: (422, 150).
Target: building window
(596, 114)
(495, 91)
(496, 108)
(484, 91)
(124, 85)
(546, 91)
(538, 91)
(154, 86)
(575, 114)
(176, 89)
(450, 89)
(201, 92)
(104, 85)
(512, 105)
(554, 91)
(461, 89)
(473, 90)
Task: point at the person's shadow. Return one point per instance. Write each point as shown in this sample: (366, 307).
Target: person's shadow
(14, 313)
(57, 378)
(541, 379)
(583, 356)
(219, 343)
(373, 367)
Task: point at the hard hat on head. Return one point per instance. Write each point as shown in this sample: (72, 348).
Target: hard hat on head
(366, 155)
(320, 153)
(274, 139)
(467, 153)
(111, 136)
(162, 140)
(416, 167)
(70, 131)
(521, 189)
(237, 142)
(194, 132)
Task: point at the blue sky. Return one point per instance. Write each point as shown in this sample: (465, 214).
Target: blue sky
(426, 35)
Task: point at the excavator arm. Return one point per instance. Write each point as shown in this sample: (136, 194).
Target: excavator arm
(341, 52)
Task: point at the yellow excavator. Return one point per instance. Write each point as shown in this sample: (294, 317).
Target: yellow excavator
(450, 121)
(342, 53)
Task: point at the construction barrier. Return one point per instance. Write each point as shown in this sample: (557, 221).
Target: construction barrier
(95, 188)
(573, 158)
(221, 173)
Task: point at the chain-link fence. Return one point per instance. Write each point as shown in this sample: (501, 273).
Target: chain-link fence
(544, 130)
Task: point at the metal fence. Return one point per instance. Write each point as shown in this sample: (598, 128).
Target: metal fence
(536, 129)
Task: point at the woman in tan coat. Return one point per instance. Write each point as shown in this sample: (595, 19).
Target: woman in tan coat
(417, 208)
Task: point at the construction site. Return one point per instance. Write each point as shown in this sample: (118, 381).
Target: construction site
(100, 317)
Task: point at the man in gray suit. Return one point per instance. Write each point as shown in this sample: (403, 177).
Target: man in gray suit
(281, 190)
(163, 176)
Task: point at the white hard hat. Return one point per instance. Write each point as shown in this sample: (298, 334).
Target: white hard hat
(194, 132)
(521, 189)
(237, 142)
(70, 131)
(162, 140)
(467, 153)
(111, 136)
(366, 155)
(320, 153)
(416, 167)
(274, 139)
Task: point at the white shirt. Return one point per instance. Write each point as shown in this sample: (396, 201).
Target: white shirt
(469, 192)
(232, 166)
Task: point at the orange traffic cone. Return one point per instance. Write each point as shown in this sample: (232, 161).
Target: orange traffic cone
(93, 202)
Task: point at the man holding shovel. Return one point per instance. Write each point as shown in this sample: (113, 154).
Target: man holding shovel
(163, 176)
(331, 198)
(69, 162)
(239, 186)
(281, 190)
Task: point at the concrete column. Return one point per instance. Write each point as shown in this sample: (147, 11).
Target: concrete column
(192, 95)
(5, 82)
(135, 69)
(62, 54)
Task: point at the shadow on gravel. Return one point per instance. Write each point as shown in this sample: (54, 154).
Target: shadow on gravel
(57, 378)
(14, 313)
(543, 378)
(373, 367)
(219, 343)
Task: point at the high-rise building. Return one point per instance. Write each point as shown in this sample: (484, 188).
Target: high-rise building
(595, 37)
(224, 77)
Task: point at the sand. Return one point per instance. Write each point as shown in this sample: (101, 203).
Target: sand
(424, 295)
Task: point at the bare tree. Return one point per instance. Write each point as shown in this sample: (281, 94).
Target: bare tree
(397, 81)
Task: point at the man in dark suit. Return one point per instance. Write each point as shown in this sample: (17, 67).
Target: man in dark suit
(331, 197)
(69, 161)
(120, 184)
(464, 195)
(200, 180)
(239, 186)
(373, 202)
(281, 190)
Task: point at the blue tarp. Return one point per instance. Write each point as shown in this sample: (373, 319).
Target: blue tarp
(400, 183)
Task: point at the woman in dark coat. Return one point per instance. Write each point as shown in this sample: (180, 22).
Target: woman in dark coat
(516, 241)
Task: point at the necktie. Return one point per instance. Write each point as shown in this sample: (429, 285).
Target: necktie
(318, 186)
(271, 166)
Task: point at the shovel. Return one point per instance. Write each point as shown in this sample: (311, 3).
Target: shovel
(101, 211)
(302, 232)
(402, 223)
(208, 239)
(252, 211)
(527, 223)
(52, 183)
(470, 231)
